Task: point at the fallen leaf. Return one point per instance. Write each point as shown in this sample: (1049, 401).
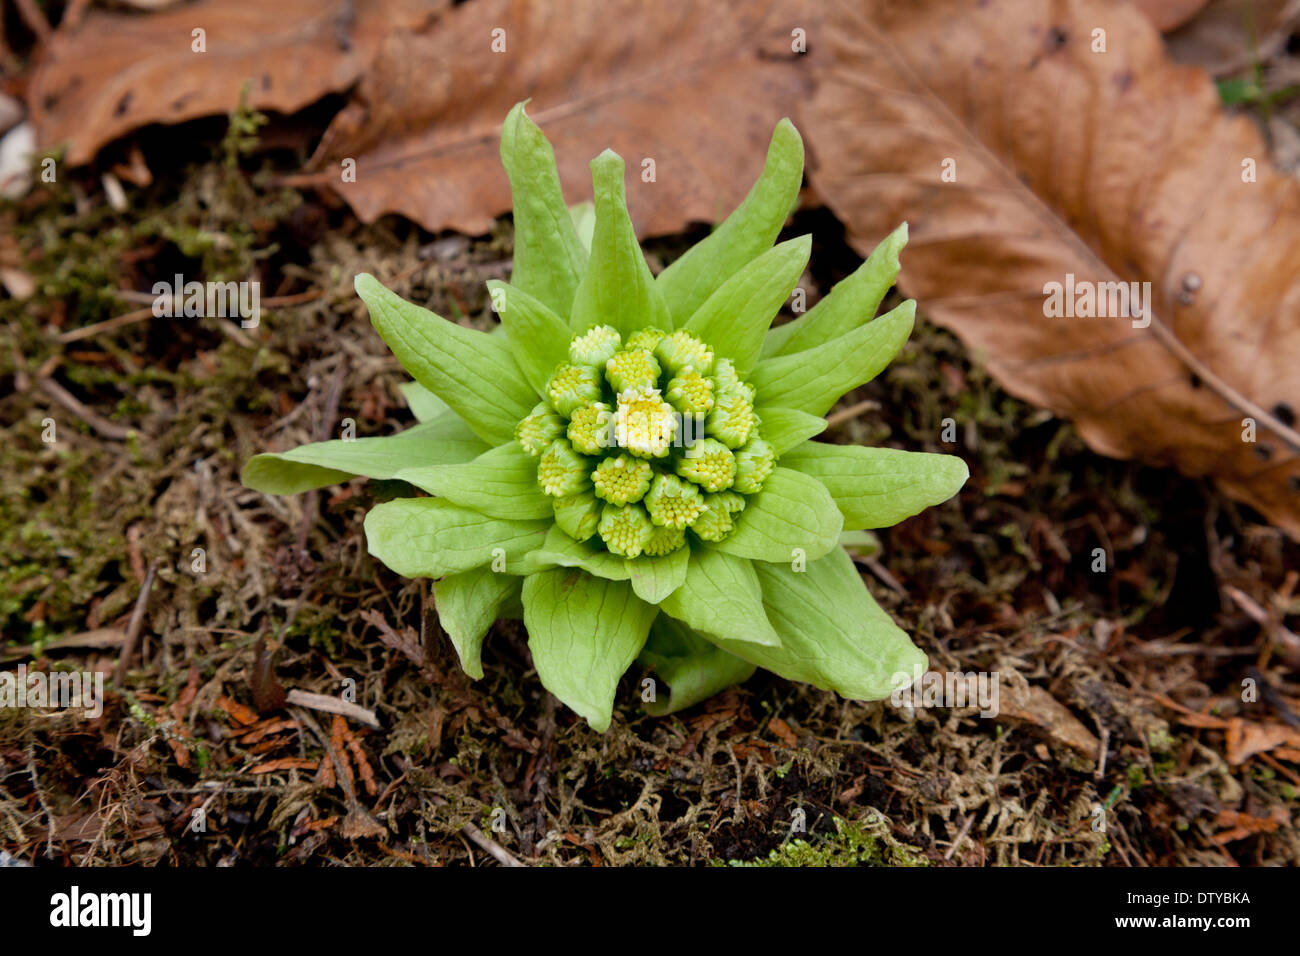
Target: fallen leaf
(1167, 14)
(692, 87)
(1104, 167)
(285, 763)
(783, 732)
(1036, 706)
(115, 72)
(1245, 739)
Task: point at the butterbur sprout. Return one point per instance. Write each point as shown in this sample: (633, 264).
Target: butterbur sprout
(627, 461)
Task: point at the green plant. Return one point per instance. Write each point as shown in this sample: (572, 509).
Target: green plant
(628, 466)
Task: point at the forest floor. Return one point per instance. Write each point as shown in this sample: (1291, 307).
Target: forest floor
(1124, 736)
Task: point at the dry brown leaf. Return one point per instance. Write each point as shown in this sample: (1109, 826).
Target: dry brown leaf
(692, 86)
(115, 72)
(1115, 166)
(1018, 700)
(1245, 739)
(1167, 14)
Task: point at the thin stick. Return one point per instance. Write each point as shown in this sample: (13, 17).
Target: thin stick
(852, 412)
(137, 623)
(333, 705)
(108, 429)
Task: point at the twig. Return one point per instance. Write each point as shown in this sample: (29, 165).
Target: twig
(484, 842)
(36, 786)
(65, 398)
(961, 835)
(850, 413)
(137, 622)
(86, 331)
(333, 705)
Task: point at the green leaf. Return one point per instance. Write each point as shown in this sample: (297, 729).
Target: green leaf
(833, 634)
(654, 578)
(432, 537)
(786, 428)
(558, 549)
(471, 371)
(734, 319)
(879, 487)
(748, 231)
(549, 258)
(793, 513)
(584, 632)
(721, 597)
(501, 483)
(863, 542)
(693, 668)
(583, 215)
(813, 380)
(849, 304)
(539, 339)
(424, 405)
(468, 603)
(332, 462)
(618, 289)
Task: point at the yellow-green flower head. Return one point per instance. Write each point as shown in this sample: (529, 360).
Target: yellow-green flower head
(690, 392)
(623, 479)
(632, 369)
(664, 540)
(536, 432)
(625, 529)
(732, 419)
(718, 518)
(572, 387)
(645, 423)
(562, 471)
(577, 515)
(709, 464)
(672, 502)
(595, 346)
(591, 428)
(724, 373)
(754, 464)
(683, 348)
(645, 339)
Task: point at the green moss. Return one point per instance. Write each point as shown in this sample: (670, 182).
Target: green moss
(855, 843)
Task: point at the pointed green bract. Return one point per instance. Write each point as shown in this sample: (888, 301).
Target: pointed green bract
(584, 632)
(747, 232)
(549, 257)
(332, 462)
(721, 597)
(432, 537)
(500, 483)
(734, 319)
(471, 371)
(849, 304)
(833, 634)
(879, 487)
(813, 380)
(793, 518)
(656, 577)
(538, 337)
(467, 605)
(693, 668)
(560, 550)
(617, 289)
(786, 428)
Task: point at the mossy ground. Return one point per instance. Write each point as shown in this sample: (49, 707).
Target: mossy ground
(999, 579)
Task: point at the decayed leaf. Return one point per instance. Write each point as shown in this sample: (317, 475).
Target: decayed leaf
(692, 86)
(1107, 167)
(1168, 14)
(114, 72)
